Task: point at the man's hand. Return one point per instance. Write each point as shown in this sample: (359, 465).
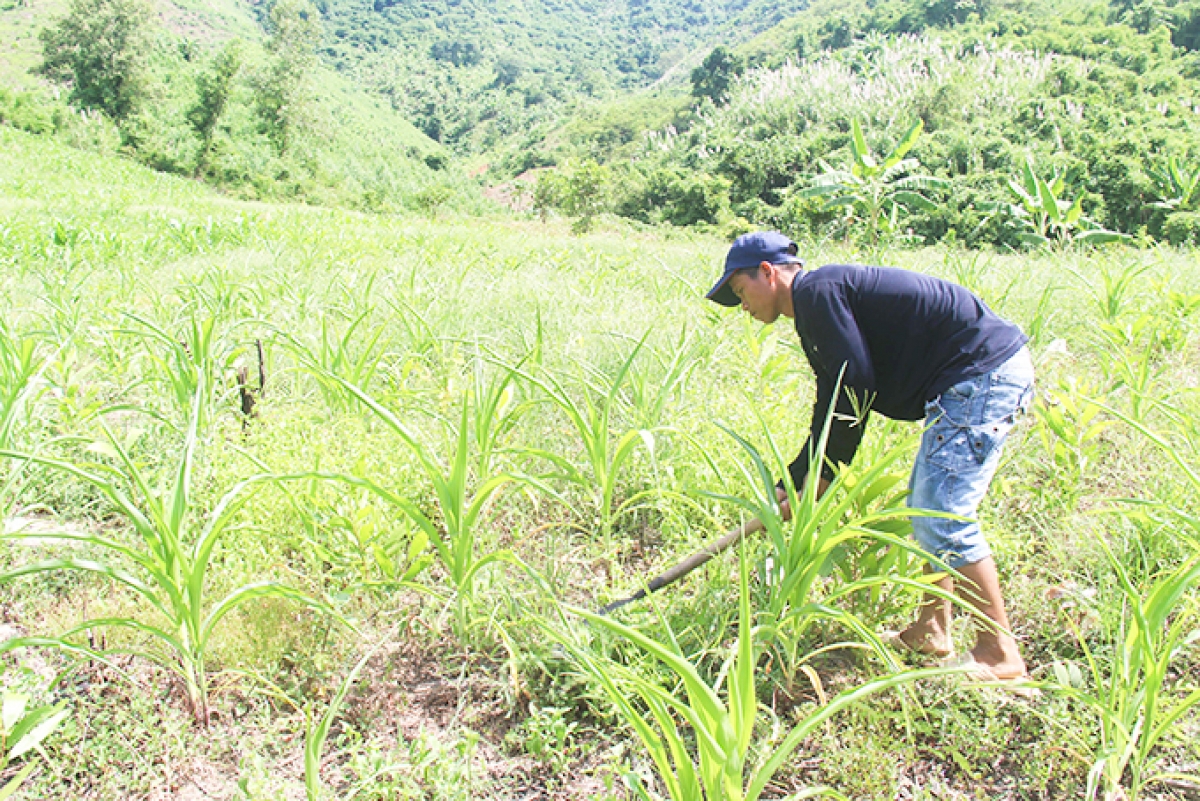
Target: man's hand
(785, 509)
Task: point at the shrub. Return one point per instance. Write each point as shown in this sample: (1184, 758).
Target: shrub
(688, 199)
(26, 110)
(1183, 228)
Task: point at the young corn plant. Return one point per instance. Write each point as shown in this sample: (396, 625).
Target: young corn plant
(652, 392)
(317, 733)
(701, 736)
(1134, 360)
(498, 409)
(591, 419)
(459, 502)
(1131, 697)
(168, 564)
(340, 356)
(22, 729)
(1117, 286)
(21, 369)
(199, 355)
(859, 514)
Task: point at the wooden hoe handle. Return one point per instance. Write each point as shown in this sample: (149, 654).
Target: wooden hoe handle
(689, 564)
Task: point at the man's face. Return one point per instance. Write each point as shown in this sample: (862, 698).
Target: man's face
(753, 288)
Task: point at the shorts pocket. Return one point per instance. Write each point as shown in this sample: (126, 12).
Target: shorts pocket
(958, 448)
(963, 389)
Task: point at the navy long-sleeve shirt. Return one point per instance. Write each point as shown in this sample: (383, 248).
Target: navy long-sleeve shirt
(903, 338)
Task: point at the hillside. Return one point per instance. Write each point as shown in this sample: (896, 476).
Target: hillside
(473, 74)
(414, 105)
(1095, 101)
(344, 145)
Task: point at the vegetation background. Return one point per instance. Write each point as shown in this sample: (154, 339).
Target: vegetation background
(351, 352)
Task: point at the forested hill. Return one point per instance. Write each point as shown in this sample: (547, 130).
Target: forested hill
(472, 73)
(1003, 123)
(1012, 121)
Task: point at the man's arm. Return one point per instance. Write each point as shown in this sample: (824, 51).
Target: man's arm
(845, 431)
(837, 351)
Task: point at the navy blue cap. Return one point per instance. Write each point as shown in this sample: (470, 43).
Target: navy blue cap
(751, 250)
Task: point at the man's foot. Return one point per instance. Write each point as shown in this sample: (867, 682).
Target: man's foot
(1002, 660)
(979, 673)
(919, 639)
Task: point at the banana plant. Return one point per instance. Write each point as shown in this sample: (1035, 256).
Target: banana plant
(875, 191)
(166, 568)
(1177, 186)
(1044, 215)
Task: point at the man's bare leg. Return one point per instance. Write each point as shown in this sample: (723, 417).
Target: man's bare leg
(994, 647)
(930, 633)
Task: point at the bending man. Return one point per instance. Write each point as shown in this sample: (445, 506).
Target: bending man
(909, 347)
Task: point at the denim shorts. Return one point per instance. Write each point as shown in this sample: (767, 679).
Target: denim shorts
(965, 429)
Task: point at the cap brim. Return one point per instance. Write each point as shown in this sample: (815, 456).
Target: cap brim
(722, 293)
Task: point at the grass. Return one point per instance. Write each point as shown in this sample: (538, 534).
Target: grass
(454, 388)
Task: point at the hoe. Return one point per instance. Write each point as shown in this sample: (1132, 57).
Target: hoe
(689, 564)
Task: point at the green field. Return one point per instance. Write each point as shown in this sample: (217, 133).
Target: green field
(469, 429)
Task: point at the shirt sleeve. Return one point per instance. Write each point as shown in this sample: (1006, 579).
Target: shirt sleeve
(835, 348)
(845, 432)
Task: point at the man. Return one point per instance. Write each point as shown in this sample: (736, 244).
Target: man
(909, 347)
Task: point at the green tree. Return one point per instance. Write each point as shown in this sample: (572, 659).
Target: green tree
(285, 97)
(508, 71)
(582, 192)
(714, 77)
(213, 89)
(100, 47)
(587, 195)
